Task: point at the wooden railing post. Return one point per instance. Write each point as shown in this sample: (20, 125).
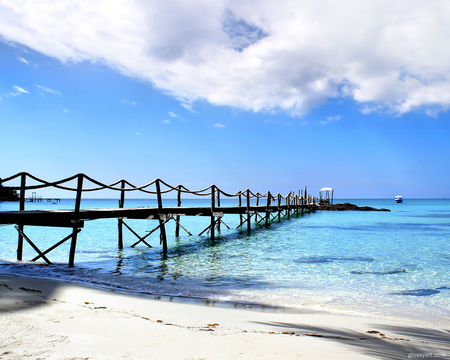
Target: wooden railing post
(177, 226)
(162, 227)
(23, 181)
(257, 204)
(120, 221)
(267, 207)
(73, 244)
(213, 205)
(240, 204)
(288, 203)
(218, 205)
(248, 212)
(279, 207)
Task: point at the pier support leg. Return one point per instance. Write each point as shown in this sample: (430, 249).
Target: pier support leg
(73, 246)
(20, 244)
(163, 237)
(120, 232)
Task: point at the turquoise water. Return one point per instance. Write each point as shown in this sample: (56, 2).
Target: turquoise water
(384, 264)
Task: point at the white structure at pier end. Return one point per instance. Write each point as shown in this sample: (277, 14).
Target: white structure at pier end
(326, 196)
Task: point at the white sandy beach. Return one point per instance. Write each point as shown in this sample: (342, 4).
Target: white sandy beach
(42, 319)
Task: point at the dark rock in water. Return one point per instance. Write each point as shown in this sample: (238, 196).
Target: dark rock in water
(422, 292)
(327, 259)
(383, 272)
(314, 259)
(348, 207)
(418, 292)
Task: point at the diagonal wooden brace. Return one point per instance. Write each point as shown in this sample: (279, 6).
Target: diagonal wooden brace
(209, 226)
(139, 237)
(32, 244)
(261, 217)
(244, 219)
(55, 246)
(223, 222)
(181, 225)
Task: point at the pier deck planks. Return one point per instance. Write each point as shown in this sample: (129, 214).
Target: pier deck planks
(69, 218)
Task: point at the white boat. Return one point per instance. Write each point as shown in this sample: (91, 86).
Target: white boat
(399, 199)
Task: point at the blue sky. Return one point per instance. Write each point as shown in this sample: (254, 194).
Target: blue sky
(226, 97)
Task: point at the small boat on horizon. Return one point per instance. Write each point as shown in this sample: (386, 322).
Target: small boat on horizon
(399, 199)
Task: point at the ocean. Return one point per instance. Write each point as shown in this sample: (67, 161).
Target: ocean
(392, 265)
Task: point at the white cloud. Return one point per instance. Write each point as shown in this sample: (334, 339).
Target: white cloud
(133, 103)
(334, 118)
(329, 120)
(166, 121)
(368, 109)
(66, 110)
(17, 91)
(20, 90)
(217, 125)
(23, 60)
(173, 115)
(46, 89)
(254, 55)
(137, 133)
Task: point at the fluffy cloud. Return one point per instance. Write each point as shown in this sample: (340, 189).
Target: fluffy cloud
(285, 56)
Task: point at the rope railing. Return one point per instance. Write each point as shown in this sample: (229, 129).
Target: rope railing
(272, 207)
(207, 191)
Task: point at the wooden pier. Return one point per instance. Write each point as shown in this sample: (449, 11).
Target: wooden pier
(262, 208)
(35, 198)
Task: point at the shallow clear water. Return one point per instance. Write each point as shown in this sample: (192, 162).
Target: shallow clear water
(389, 264)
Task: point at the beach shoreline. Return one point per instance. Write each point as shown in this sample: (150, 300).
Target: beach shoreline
(57, 320)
